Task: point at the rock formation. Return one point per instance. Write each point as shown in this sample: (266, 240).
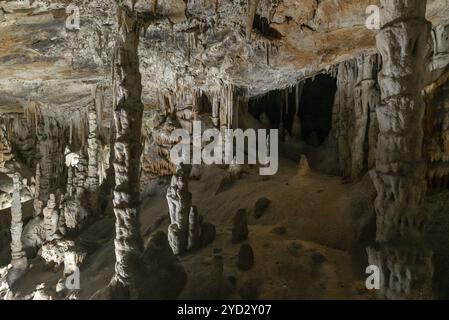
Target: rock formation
(5, 147)
(309, 69)
(354, 115)
(51, 218)
(184, 230)
(240, 227)
(399, 175)
(128, 110)
(92, 180)
(37, 202)
(18, 256)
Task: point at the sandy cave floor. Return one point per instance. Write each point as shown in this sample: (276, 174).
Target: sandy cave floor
(316, 258)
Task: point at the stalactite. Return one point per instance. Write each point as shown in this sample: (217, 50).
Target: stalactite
(354, 124)
(19, 260)
(296, 125)
(252, 8)
(399, 176)
(367, 99)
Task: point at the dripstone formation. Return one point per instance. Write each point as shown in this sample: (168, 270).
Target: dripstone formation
(128, 111)
(399, 174)
(94, 206)
(185, 227)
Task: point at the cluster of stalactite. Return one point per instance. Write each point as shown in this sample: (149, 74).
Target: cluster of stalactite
(22, 137)
(399, 174)
(224, 108)
(354, 121)
(49, 149)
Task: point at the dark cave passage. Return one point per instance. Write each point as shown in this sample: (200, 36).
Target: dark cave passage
(315, 108)
(316, 101)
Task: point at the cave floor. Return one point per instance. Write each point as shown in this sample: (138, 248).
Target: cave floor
(305, 245)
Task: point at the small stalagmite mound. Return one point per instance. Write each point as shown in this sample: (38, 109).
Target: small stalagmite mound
(240, 227)
(245, 259)
(261, 206)
(303, 168)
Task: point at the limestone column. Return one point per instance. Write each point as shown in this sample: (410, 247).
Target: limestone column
(179, 202)
(37, 202)
(399, 174)
(127, 146)
(18, 257)
(92, 147)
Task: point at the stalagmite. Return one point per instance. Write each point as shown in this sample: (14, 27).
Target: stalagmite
(18, 257)
(92, 171)
(193, 239)
(37, 202)
(51, 218)
(399, 176)
(179, 205)
(127, 151)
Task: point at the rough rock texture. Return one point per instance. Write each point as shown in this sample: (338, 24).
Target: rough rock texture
(240, 227)
(92, 171)
(354, 115)
(51, 219)
(18, 256)
(128, 110)
(185, 228)
(436, 143)
(61, 251)
(399, 175)
(214, 61)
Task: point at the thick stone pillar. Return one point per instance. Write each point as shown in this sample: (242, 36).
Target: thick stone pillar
(128, 112)
(399, 175)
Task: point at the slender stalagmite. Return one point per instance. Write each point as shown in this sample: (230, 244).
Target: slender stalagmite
(399, 175)
(18, 257)
(92, 171)
(128, 112)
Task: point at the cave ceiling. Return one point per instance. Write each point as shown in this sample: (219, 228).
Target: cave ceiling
(192, 45)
